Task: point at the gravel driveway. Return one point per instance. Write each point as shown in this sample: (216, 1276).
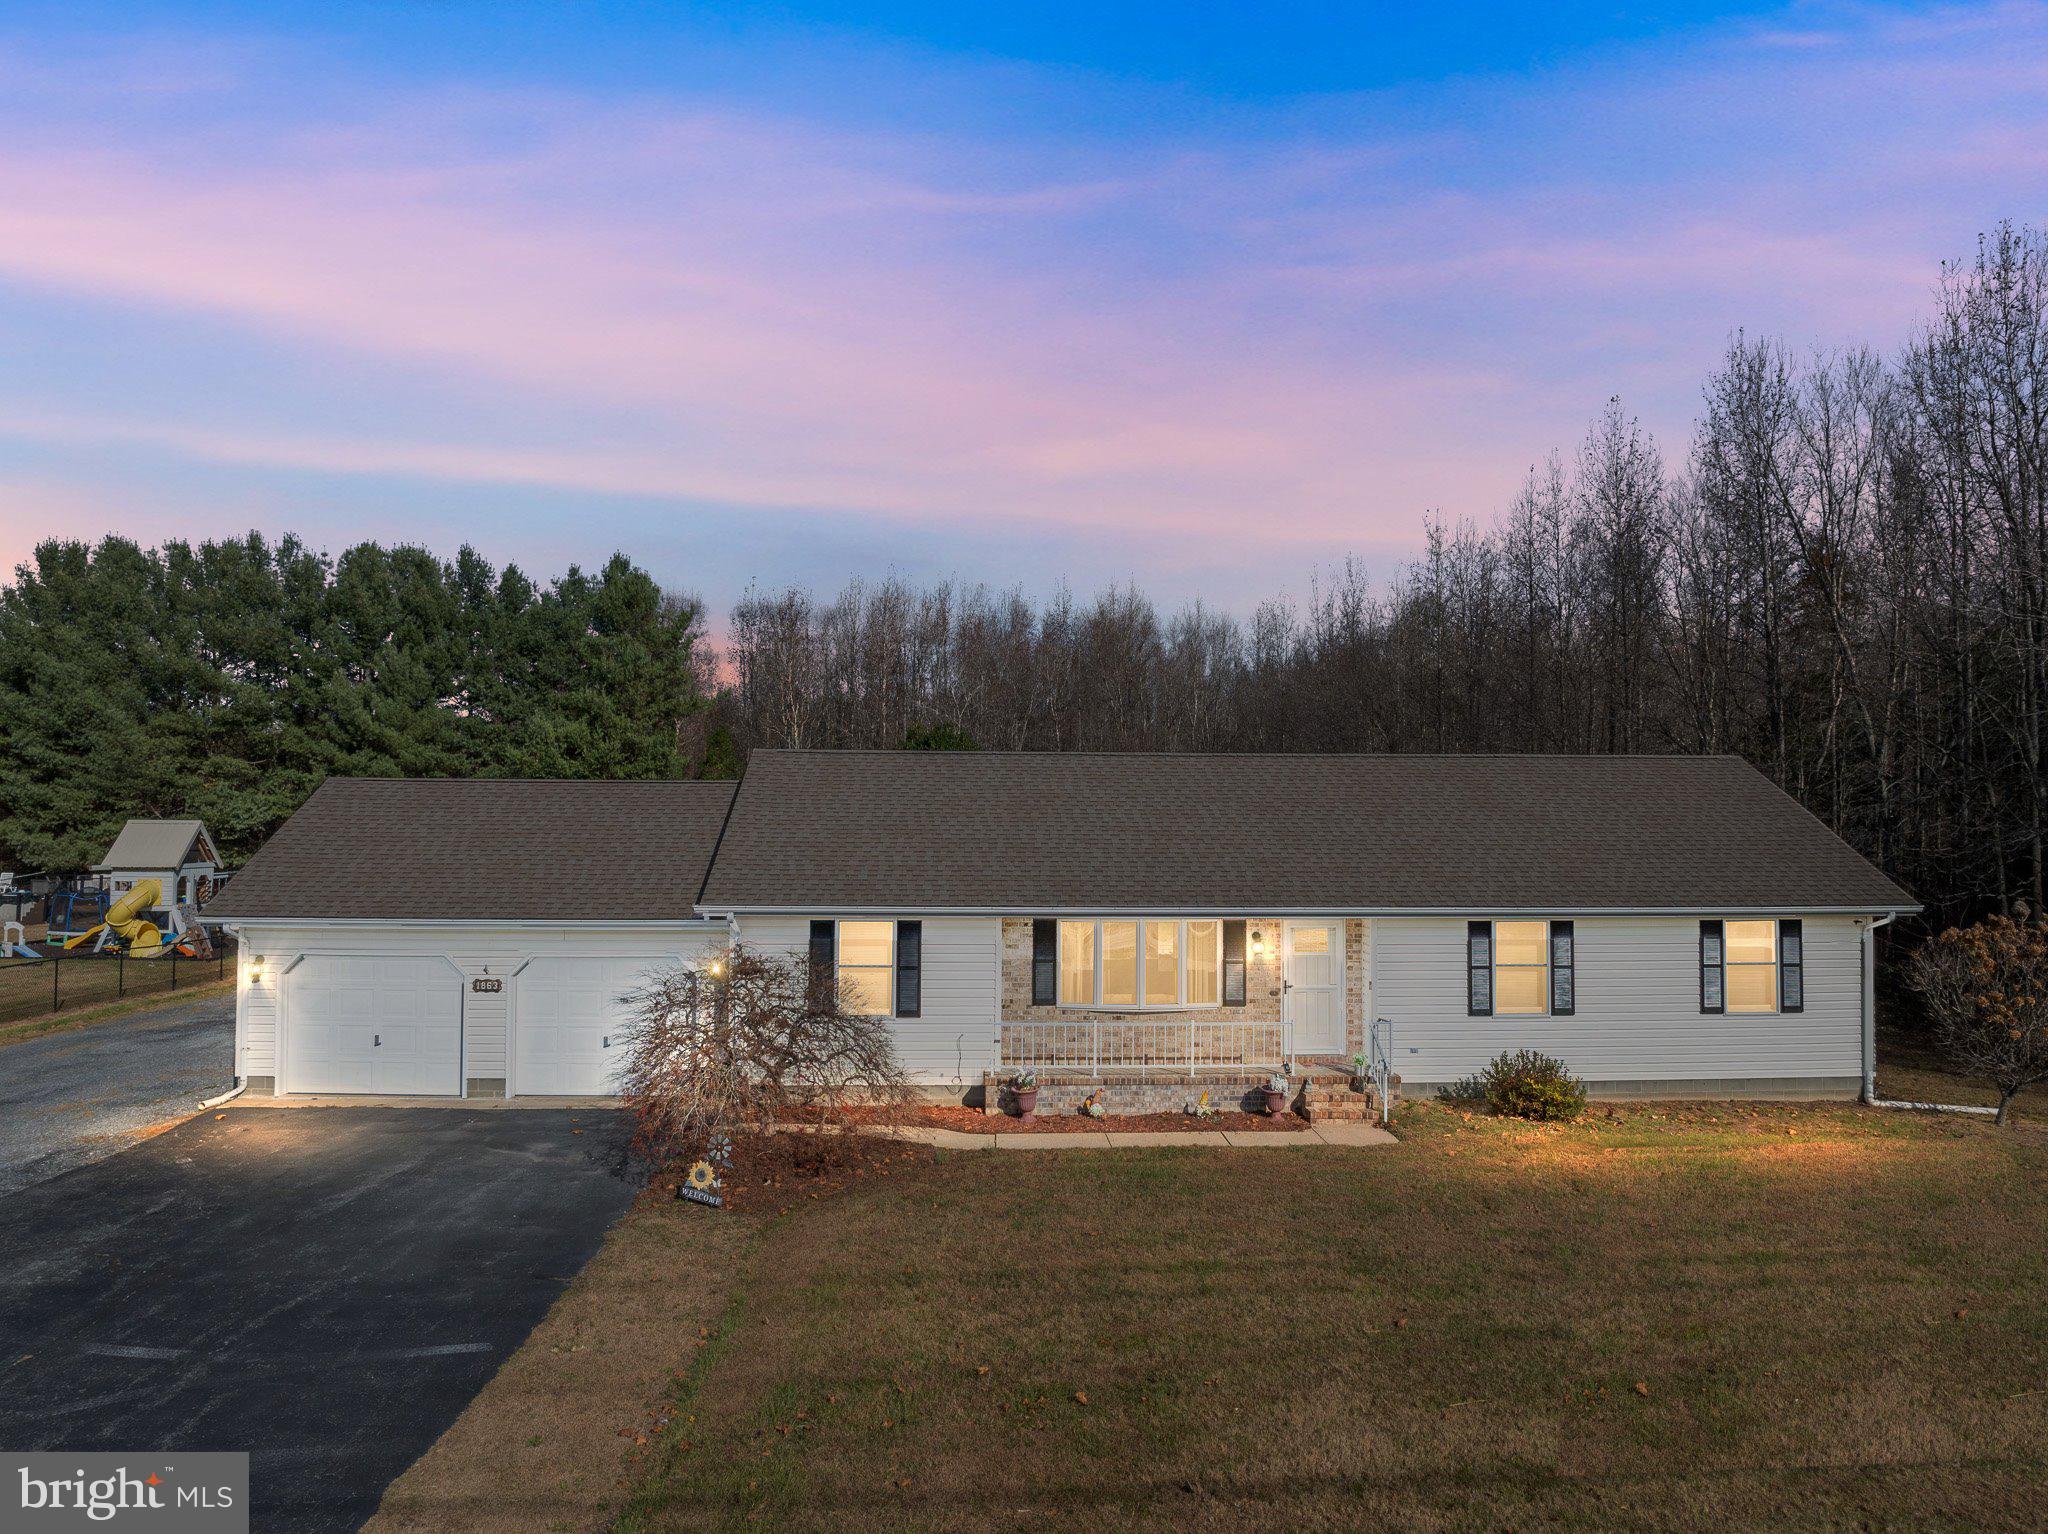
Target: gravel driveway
(67, 1099)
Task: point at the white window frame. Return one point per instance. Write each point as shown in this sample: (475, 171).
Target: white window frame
(840, 966)
(1729, 966)
(1180, 989)
(1494, 939)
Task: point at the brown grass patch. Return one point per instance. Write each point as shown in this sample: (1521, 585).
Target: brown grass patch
(551, 1442)
(1671, 1317)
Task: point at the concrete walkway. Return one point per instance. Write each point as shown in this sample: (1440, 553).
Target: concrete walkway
(1342, 1133)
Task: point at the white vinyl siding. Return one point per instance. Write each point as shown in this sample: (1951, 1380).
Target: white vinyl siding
(953, 1039)
(1638, 1015)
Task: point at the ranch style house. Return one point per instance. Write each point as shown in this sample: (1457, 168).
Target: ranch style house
(1143, 925)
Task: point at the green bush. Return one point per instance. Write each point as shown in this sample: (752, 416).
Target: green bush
(1524, 1085)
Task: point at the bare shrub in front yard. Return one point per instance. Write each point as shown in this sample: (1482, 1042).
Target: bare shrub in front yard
(744, 1040)
(1987, 991)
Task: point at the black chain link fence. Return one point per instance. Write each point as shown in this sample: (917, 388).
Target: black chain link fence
(70, 981)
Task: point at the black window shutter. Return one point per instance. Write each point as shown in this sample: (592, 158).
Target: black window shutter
(1045, 962)
(1791, 966)
(1712, 973)
(1564, 988)
(1479, 969)
(1233, 964)
(909, 968)
(824, 961)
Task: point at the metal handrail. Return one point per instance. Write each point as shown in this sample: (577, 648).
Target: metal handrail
(1381, 1064)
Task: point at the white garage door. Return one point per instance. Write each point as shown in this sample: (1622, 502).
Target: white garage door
(571, 1026)
(392, 1027)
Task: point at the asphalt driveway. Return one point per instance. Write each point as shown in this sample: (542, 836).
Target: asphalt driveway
(325, 1288)
(70, 1098)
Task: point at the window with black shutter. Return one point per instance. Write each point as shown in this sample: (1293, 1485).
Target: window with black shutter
(1045, 962)
(1233, 964)
(909, 968)
(1713, 969)
(1563, 969)
(1479, 969)
(1791, 966)
(823, 962)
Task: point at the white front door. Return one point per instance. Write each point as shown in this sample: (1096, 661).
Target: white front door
(569, 1038)
(389, 1027)
(1313, 954)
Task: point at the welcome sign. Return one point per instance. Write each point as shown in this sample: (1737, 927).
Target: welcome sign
(146, 1493)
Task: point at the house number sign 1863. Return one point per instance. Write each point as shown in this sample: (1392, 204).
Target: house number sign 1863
(486, 984)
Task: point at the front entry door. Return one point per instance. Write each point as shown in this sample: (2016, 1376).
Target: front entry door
(1313, 952)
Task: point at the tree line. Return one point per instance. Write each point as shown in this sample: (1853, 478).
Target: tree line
(224, 681)
(1843, 578)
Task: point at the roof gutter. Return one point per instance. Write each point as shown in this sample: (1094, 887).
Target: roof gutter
(1279, 908)
(236, 923)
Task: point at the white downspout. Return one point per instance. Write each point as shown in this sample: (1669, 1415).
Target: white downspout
(1870, 1005)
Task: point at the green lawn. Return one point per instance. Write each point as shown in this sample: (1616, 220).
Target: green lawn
(1709, 1317)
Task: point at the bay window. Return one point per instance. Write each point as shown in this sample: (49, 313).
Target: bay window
(1132, 964)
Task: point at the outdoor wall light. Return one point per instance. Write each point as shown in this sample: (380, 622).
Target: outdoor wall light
(1258, 944)
(717, 968)
(256, 969)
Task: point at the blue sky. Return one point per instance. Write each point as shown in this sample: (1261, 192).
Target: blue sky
(1209, 298)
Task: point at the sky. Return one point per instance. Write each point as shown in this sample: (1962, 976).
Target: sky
(1205, 297)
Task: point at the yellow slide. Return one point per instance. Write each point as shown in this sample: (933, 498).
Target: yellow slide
(126, 922)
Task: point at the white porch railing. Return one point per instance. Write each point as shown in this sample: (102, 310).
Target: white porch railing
(1123, 1044)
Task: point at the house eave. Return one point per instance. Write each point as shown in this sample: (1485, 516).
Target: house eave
(1276, 908)
(473, 923)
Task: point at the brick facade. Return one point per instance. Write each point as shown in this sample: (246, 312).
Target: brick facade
(1357, 992)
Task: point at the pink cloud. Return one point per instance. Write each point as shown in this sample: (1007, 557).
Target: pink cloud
(1399, 303)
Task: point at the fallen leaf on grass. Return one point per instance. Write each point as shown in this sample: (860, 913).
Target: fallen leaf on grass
(1081, 1396)
(1642, 1387)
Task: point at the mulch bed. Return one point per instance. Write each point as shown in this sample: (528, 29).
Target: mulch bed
(769, 1173)
(974, 1121)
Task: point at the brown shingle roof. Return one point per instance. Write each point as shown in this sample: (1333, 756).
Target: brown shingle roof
(1023, 832)
(485, 849)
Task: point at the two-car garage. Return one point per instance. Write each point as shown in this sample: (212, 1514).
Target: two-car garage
(411, 1025)
(465, 938)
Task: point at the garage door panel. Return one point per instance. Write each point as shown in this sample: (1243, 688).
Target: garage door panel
(377, 1026)
(571, 1025)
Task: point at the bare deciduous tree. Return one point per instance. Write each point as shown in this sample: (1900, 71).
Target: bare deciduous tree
(745, 1041)
(1845, 581)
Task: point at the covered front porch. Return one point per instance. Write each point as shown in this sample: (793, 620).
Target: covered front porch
(1293, 1001)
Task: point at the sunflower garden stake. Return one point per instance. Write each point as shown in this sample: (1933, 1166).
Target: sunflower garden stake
(707, 1174)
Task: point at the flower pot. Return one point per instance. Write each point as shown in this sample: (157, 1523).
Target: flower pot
(1276, 1102)
(1027, 1102)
